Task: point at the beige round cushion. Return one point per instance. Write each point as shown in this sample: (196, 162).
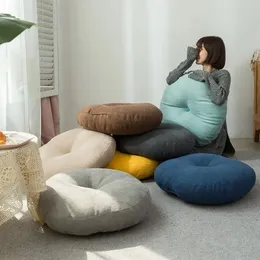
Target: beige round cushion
(76, 149)
(120, 118)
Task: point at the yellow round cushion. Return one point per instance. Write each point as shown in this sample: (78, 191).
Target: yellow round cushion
(138, 166)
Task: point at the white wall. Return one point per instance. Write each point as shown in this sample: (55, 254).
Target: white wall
(122, 50)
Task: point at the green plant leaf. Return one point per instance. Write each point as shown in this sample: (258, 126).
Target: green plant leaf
(11, 27)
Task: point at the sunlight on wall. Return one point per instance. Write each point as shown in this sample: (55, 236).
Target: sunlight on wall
(145, 41)
(158, 47)
(128, 17)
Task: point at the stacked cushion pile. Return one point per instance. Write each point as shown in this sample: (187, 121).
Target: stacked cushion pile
(142, 141)
(116, 145)
(124, 136)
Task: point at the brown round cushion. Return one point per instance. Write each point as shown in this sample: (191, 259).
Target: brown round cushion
(120, 118)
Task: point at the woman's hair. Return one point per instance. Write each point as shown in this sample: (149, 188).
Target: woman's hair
(216, 51)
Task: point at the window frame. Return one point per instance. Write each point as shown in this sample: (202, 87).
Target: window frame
(49, 91)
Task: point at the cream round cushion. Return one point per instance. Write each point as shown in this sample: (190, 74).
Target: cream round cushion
(90, 201)
(75, 149)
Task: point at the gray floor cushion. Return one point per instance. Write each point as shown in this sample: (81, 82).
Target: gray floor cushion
(90, 201)
(168, 141)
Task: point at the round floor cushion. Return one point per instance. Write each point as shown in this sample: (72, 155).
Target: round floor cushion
(75, 149)
(120, 118)
(138, 166)
(205, 178)
(163, 143)
(90, 201)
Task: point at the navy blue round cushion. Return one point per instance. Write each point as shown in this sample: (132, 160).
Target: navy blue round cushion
(205, 178)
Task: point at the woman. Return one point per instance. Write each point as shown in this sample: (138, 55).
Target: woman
(210, 52)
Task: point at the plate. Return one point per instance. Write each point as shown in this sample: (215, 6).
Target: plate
(15, 140)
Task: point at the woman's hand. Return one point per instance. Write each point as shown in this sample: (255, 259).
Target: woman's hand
(192, 53)
(198, 75)
(214, 74)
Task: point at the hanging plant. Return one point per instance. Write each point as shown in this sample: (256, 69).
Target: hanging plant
(11, 27)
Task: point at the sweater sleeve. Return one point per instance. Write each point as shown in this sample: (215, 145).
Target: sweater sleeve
(180, 70)
(219, 85)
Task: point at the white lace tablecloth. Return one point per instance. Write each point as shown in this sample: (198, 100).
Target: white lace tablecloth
(21, 173)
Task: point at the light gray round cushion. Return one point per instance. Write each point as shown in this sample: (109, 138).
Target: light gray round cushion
(166, 142)
(90, 201)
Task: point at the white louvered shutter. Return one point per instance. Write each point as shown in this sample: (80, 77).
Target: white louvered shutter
(45, 9)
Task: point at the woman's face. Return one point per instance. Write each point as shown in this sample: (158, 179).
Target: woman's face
(202, 57)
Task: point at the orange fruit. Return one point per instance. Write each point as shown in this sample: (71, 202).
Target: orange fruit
(2, 142)
(2, 136)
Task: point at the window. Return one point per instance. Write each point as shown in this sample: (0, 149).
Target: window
(47, 30)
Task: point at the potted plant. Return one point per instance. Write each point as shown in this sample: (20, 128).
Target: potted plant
(11, 27)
